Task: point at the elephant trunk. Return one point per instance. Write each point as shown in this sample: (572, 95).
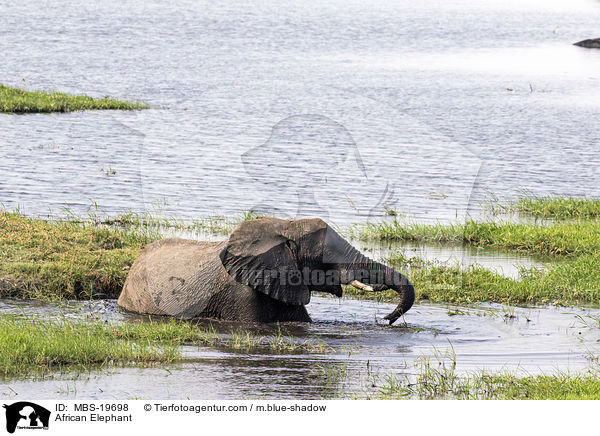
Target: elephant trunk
(361, 269)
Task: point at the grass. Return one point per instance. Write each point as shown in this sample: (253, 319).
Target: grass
(39, 346)
(154, 223)
(572, 246)
(556, 239)
(84, 257)
(15, 100)
(436, 385)
(570, 282)
(437, 378)
(63, 260)
(45, 345)
(440, 380)
(555, 207)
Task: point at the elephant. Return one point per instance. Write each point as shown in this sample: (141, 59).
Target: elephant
(589, 43)
(264, 272)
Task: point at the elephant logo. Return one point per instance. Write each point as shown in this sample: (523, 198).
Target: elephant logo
(26, 415)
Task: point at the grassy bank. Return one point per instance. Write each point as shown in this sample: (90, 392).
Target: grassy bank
(50, 260)
(437, 382)
(31, 345)
(555, 239)
(554, 207)
(40, 346)
(15, 100)
(84, 257)
(572, 246)
(570, 282)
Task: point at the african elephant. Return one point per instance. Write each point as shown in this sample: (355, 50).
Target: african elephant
(264, 272)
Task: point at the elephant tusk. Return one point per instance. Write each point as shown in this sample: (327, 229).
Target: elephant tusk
(361, 286)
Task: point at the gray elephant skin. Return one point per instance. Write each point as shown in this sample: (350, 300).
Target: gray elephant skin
(264, 272)
(589, 43)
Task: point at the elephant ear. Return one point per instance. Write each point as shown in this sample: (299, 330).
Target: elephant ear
(260, 255)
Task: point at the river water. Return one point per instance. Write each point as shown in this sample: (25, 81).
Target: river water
(334, 109)
(362, 351)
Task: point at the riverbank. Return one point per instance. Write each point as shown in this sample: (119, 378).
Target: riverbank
(47, 260)
(19, 101)
(89, 258)
(568, 237)
(37, 346)
(439, 381)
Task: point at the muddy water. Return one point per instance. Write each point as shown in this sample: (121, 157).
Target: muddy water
(364, 349)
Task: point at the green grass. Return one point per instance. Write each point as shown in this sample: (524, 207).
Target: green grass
(555, 239)
(30, 346)
(154, 222)
(83, 257)
(572, 275)
(64, 260)
(569, 282)
(34, 345)
(440, 380)
(555, 207)
(435, 385)
(15, 100)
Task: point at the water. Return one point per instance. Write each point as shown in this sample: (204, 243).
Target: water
(506, 263)
(333, 109)
(524, 341)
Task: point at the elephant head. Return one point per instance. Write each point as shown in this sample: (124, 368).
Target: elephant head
(286, 260)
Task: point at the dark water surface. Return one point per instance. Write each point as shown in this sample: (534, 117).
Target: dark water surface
(334, 109)
(364, 350)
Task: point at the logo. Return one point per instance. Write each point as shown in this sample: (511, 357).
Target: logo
(26, 415)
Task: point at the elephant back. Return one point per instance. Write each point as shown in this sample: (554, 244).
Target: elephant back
(175, 277)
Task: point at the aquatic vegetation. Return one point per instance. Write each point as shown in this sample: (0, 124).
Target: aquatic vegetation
(172, 331)
(438, 379)
(568, 282)
(554, 239)
(556, 207)
(53, 260)
(82, 257)
(48, 345)
(155, 223)
(30, 346)
(281, 343)
(15, 100)
(572, 275)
